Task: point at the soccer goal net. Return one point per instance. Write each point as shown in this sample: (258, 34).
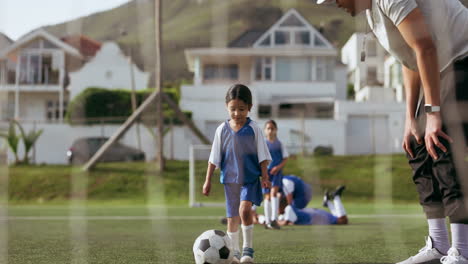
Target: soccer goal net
(198, 163)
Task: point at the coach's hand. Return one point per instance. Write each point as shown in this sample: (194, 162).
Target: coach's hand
(433, 132)
(411, 130)
(206, 188)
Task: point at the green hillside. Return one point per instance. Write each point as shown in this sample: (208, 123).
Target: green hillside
(190, 23)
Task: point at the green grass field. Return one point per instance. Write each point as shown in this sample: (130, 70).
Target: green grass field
(127, 213)
(108, 233)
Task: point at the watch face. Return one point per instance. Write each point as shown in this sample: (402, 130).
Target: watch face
(427, 108)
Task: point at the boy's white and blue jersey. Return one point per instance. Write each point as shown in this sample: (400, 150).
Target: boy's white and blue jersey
(301, 191)
(239, 154)
(309, 216)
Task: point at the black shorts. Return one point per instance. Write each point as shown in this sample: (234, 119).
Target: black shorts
(442, 183)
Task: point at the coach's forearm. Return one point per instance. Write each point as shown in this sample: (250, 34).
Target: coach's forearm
(412, 85)
(428, 66)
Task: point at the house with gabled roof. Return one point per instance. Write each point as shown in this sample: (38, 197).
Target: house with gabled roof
(34, 75)
(40, 73)
(291, 68)
(5, 41)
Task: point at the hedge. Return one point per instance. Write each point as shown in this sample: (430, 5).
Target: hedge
(100, 105)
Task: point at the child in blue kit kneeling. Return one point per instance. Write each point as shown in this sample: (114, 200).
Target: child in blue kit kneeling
(240, 151)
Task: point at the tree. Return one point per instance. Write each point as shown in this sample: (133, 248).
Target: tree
(29, 139)
(13, 139)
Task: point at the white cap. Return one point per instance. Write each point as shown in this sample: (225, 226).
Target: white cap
(325, 1)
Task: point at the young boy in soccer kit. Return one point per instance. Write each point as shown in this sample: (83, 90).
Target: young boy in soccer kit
(297, 193)
(279, 157)
(312, 216)
(240, 151)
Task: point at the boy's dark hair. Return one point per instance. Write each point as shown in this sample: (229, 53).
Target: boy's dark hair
(271, 121)
(241, 92)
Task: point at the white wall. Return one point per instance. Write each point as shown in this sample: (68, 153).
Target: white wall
(108, 69)
(393, 113)
(375, 94)
(56, 139)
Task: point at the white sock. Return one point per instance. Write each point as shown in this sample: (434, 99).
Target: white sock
(439, 234)
(247, 233)
(460, 238)
(267, 211)
(274, 208)
(234, 236)
(340, 211)
(332, 208)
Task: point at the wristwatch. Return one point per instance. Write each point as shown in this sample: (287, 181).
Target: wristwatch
(431, 108)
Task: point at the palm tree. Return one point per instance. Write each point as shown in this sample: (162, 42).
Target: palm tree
(12, 139)
(29, 139)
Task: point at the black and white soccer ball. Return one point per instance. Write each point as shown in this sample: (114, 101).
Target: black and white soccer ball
(213, 247)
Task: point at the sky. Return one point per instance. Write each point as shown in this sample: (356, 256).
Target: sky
(18, 17)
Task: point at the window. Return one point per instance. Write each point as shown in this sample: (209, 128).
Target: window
(282, 38)
(109, 75)
(263, 68)
(318, 42)
(221, 72)
(302, 38)
(53, 110)
(293, 69)
(36, 69)
(372, 48)
(321, 69)
(266, 41)
(264, 111)
(371, 74)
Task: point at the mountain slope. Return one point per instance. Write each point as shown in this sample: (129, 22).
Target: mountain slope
(191, 23)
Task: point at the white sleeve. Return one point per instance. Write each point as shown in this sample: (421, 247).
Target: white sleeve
(289, 214)
(215, 155)
(397, 10)
(288, 186)
(284, 151)
(262, 149)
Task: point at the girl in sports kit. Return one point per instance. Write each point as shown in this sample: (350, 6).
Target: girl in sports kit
(240, 152)
(279, 157)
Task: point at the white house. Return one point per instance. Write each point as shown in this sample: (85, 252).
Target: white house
(367, 77)
(292, 70)
(5, 41)
(41, 73)
(375, 121)
(109, 68)
(34, 76)
(394, 77)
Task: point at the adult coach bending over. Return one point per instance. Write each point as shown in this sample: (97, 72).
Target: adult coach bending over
(430, 39)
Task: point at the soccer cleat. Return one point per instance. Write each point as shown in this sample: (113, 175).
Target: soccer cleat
(339, 190)
(453, 257)
(274, 225)
(426, 255)
(326, 198)
(247, 255)
(236, 258)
